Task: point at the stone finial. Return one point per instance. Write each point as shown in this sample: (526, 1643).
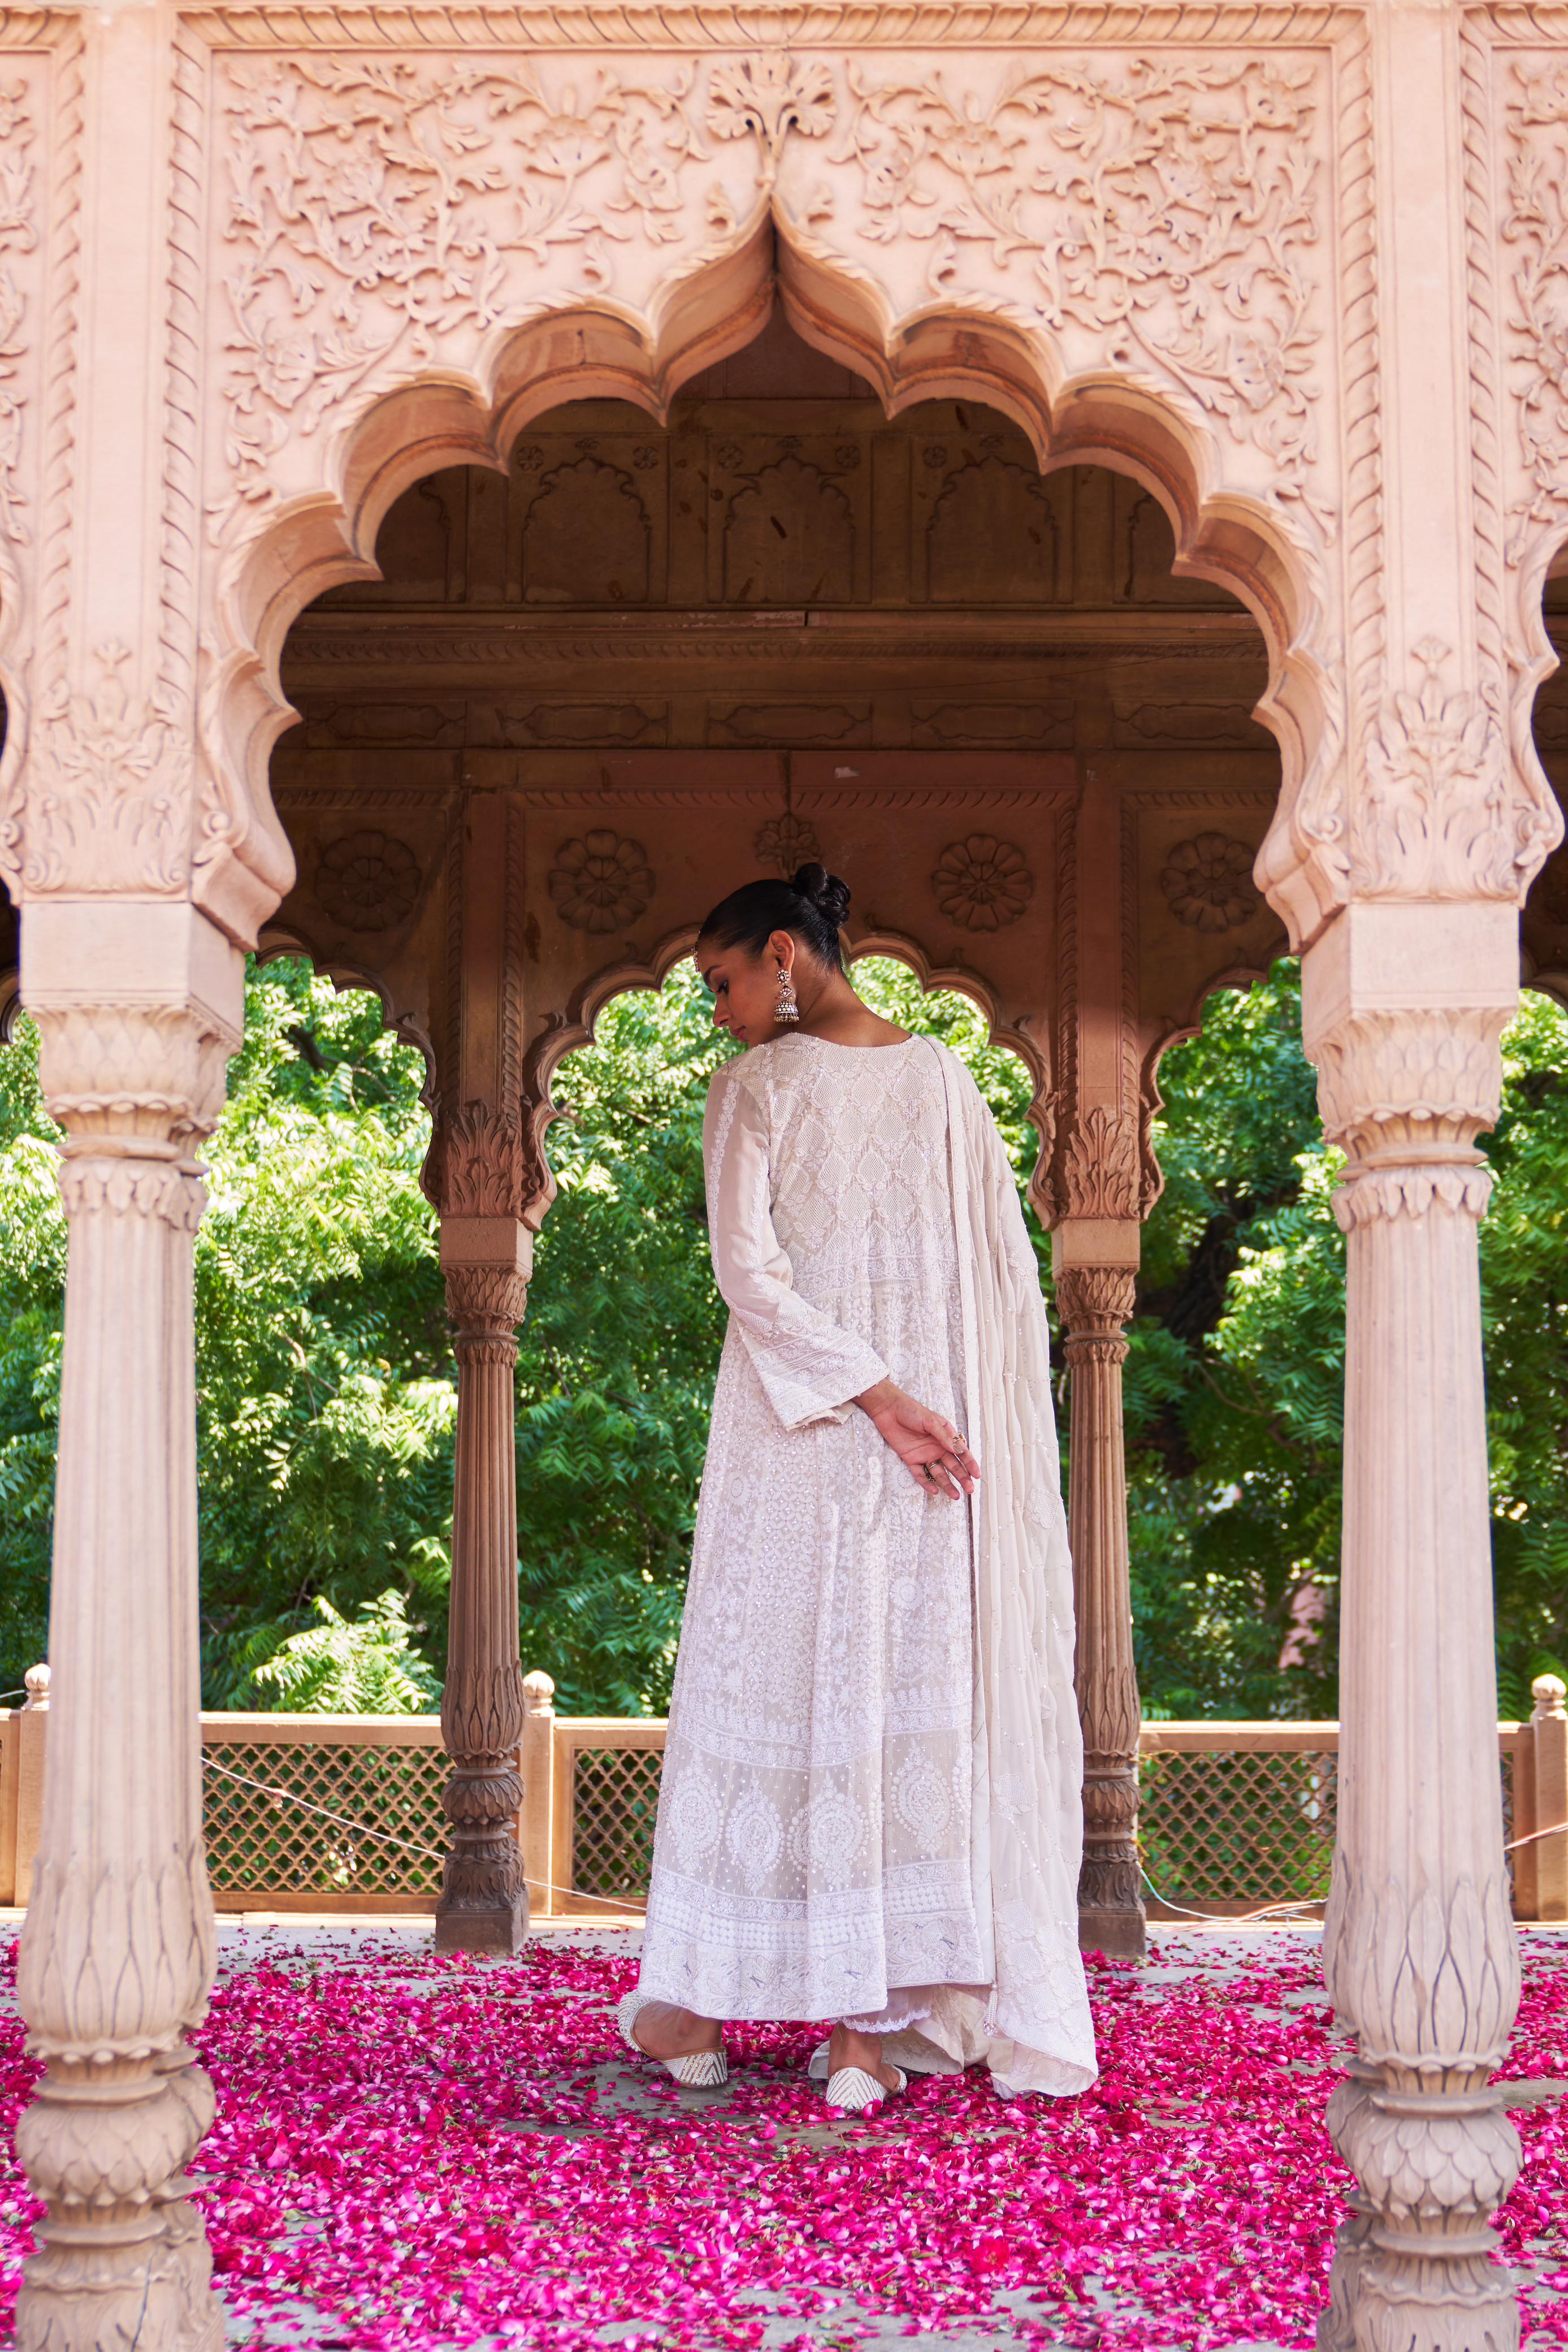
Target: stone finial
(1548, 1691)
(37, 1699)
(539, 1690)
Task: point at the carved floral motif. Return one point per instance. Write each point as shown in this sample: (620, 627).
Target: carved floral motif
(1208, 882)
(771, 94)
(786, 841)
(1168, 205)
(480, 1164)
(376, 204)
(1535, 223)
(601, 881)
(110, 777)
(1162, 210)
(982, 883)
(368, 881)
(1435, 818)
(1100, 1165)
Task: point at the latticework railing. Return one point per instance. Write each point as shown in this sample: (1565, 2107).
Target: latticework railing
(616, 1797)
(1226, 1829)
(325, 1819)
(326, 1813)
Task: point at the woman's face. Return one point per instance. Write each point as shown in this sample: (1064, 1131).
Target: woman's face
(745, 987)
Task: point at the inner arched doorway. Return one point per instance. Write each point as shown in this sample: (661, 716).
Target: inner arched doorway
(589, 694)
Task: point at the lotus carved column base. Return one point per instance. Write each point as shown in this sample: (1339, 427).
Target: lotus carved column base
(1413, 2268)
(1109, 1884)
(123, 2257)
(483, 1905)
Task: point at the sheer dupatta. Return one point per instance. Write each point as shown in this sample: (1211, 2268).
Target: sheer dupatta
(1033, 2028)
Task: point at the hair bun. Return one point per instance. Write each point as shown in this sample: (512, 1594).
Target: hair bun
(824, 890)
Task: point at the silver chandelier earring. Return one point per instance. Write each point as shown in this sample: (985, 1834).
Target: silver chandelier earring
(787, 1009)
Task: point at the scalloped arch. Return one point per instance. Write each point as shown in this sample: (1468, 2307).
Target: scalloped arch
(566, 1033)
(279, 946)
(702, 311)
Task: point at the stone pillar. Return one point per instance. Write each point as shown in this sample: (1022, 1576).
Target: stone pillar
(117, 1952)
(1404, 1008)
(483, 1905)
(1094, 1303)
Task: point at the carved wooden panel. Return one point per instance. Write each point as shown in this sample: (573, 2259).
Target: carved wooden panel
(788, 723)
(1144, 551)
(788, 519)
(520, 724)
(1010, 726)
(588, 519)
(1192, 913)
(986, 527)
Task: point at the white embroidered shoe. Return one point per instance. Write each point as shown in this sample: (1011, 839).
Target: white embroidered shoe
(701, 2069)
(854, 2088)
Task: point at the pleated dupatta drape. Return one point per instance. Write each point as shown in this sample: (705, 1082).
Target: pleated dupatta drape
(1034, 2030)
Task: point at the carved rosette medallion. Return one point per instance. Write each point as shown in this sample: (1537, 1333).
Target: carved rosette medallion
(1209, 884)
(367, 881)
(982, 883)
(786, 841)
(601, 881)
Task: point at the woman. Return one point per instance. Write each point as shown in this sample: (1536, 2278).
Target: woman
(869, 1806)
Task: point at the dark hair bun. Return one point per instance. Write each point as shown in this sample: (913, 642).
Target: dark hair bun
(824, 890)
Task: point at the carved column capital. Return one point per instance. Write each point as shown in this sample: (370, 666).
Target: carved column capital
(1098, 1168)
(1405, 1093)
(1404, 1007)
(485, 1304)
(482, 1162)
(1096, 1304)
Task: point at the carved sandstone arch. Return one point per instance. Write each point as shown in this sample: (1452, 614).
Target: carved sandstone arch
(933, 238)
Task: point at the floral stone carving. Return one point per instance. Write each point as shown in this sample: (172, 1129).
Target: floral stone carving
(378, 206)
(1209, 884)
(368, 881)
(1435, 820)
(601, 881)
(771, 94)
(982, 883)
(1060, 182)
(786, 841)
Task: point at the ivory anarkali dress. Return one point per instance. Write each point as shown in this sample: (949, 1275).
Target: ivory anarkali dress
(871, 1799)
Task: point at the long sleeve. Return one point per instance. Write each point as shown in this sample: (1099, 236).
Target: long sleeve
(811, 1369)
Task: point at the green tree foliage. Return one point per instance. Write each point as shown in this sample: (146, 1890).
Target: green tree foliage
(334, 1667)
(1236, 1374)
(324, 1380)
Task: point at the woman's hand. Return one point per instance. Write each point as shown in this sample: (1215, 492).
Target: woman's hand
(930, 1448)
